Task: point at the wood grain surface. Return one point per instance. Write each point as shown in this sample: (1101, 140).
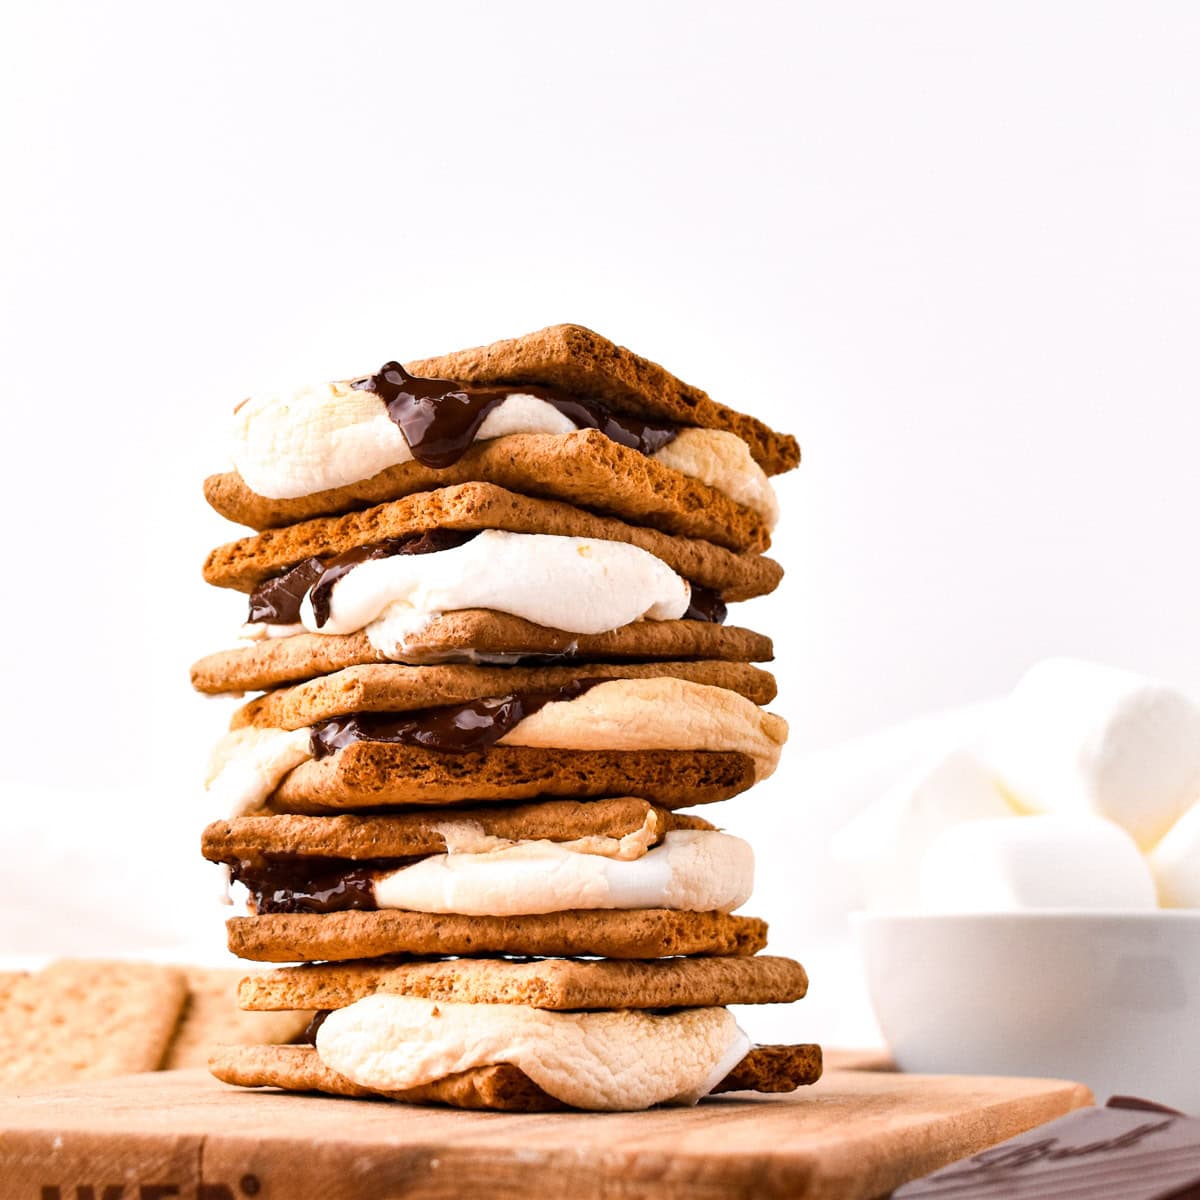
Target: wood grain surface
(182, 1134)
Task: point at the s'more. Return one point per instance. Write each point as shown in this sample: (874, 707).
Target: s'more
(483, 670)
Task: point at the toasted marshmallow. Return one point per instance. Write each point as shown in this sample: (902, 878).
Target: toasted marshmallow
(604, 1061)
(1039, 862)
(656, 714)
(580, 585)
(315, 438)
(468, 837)
(886, 842)
(691, 871)
(619, 714)
(1075, 737)
(724, 462)
(1175, 862)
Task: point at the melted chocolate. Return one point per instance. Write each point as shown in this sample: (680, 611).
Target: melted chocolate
(440, 418)
(706, 605)
(457, 728)
(309, 1036)
(643, 436)
(278, 600)
(313, 885)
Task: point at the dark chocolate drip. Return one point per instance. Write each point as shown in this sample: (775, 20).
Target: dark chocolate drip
(458, 728)
(644, 436)
(278, 600)
(314, 885)
(706, 605)
(309, 1036)
(440, 418)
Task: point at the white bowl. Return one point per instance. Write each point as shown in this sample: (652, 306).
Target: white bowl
(1111, 1000)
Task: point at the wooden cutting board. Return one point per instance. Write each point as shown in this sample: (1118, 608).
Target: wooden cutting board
(182, 1134)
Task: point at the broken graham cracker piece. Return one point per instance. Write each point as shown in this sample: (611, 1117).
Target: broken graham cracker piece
(585, 469)
(503, 1087)
(88, 1019)
(774, 1069)
(572, 358)
(647, 933)
(559, 984)
(211, 1017)
(367, 775)
(397, 688)
(244, 564)
(275, 661)
(399, 835)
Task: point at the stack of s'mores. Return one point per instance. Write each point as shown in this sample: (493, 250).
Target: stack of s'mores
(486, 606)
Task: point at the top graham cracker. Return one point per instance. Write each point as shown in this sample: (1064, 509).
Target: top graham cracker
(575, 359)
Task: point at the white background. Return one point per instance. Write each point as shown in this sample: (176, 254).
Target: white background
(953, 247)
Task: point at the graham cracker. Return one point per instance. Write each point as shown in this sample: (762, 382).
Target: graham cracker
(560, 984)
(88, 1019)
(573, 358)
(367, 775)
(468, 633)
(211, 1017)
(8, 981)
(396, 688)
(613, 933)
(503, 1087)
(246, 563)
(251, 839)
(585, 469)
(774, 1069)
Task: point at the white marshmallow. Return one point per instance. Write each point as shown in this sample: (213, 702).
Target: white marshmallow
(1043, 862)
(693, 870)
(247, 765)
(582, 585)
(1175, 862)
(1075, 737)
(886, 842)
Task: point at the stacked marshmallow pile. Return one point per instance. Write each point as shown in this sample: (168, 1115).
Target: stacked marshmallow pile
(1082, 791)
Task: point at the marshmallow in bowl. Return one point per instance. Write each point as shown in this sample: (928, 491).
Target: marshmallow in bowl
(1175, 862)
(886, 843)
(1037, 862)
(1077, 737)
